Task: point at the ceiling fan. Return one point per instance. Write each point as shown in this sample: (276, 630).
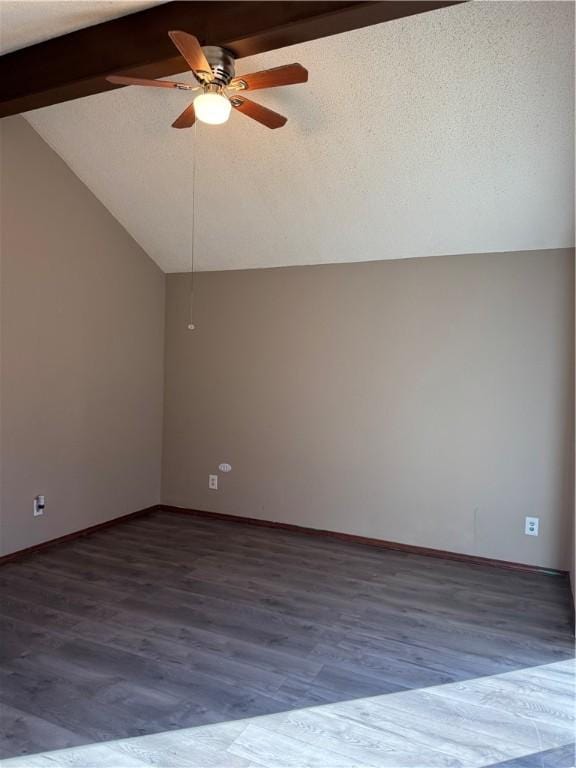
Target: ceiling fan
(213, 68)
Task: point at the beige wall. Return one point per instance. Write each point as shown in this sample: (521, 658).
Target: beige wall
(573, 536)
(81, 352)
(425, 401)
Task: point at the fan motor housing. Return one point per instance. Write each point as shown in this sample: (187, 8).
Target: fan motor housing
(221, 62)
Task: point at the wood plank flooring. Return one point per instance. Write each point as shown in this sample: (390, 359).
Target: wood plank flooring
(179, 641)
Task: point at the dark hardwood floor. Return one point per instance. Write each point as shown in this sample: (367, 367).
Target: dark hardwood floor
(170, 621)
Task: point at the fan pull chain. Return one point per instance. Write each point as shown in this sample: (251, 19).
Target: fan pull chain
(191, 324)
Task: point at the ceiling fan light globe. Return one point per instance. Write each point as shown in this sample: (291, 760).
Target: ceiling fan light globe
(212, 108)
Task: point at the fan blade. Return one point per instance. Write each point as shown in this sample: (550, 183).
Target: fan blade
(117, 80)
(257, 112)
(186, 119)
(190, 48)
(290, 74)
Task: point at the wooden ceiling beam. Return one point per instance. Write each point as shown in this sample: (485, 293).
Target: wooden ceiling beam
(76, 65)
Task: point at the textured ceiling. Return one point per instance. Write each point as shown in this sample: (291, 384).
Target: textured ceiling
(448, 132)
(25, 22)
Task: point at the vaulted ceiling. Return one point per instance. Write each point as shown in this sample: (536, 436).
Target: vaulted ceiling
(447, 132)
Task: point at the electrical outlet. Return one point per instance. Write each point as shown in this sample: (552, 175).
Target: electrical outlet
(531, 526)
(39, 506)
(213, 482)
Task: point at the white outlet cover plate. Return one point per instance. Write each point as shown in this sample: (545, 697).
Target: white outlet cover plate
(224, 467)
(531, 526)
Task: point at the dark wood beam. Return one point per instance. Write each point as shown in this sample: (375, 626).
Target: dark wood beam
(76, 64)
